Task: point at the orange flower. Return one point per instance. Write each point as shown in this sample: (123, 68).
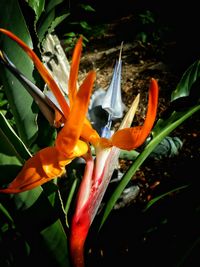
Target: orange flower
(50, 162)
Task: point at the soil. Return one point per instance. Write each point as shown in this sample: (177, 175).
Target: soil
(168, 233)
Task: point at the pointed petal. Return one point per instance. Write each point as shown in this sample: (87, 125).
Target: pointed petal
(73, 76)
(132, 138)
(42, 70)
(38, 170)
(128, 118)
(126, 122)
(69, 135)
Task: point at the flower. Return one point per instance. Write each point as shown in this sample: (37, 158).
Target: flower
(50, 162)
(97, 174)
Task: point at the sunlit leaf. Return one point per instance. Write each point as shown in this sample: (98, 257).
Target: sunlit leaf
(21, 103)
(37, 6)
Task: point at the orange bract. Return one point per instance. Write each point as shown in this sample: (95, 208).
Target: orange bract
(131, 138)
(50, 162)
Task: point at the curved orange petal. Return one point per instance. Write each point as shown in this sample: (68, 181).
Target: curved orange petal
(73, 76)
(46, 165)
(69, 135)
(42, 70)
(131, 138)
(39, 169)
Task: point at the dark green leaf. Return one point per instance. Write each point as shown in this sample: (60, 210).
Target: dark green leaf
(57, 21)
(19, 100)
(87, 7)
(13, 152)
(85, 25)
(45, 24)
(188, 78)
(52, 4)
(38, 221)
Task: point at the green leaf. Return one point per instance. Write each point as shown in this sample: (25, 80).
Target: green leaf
(56, 22)
(49, 21)
(87, 8)
(160, 131)
(13, 140)
(37, 6)
(55, 240)
(85, 25)
(13, 151)
(70, 198)
(52, 4)
(6, 214)
(188, 78)
(45, 24)
(21, 103)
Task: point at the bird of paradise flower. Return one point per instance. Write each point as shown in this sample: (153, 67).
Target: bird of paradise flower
(74, 140)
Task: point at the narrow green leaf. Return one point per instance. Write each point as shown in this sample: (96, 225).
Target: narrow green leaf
(21, 103)
(70, 197)
(44, 26)
(6, 214)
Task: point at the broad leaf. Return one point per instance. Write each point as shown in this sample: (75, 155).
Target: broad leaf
(13, 152)
(21, 103)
